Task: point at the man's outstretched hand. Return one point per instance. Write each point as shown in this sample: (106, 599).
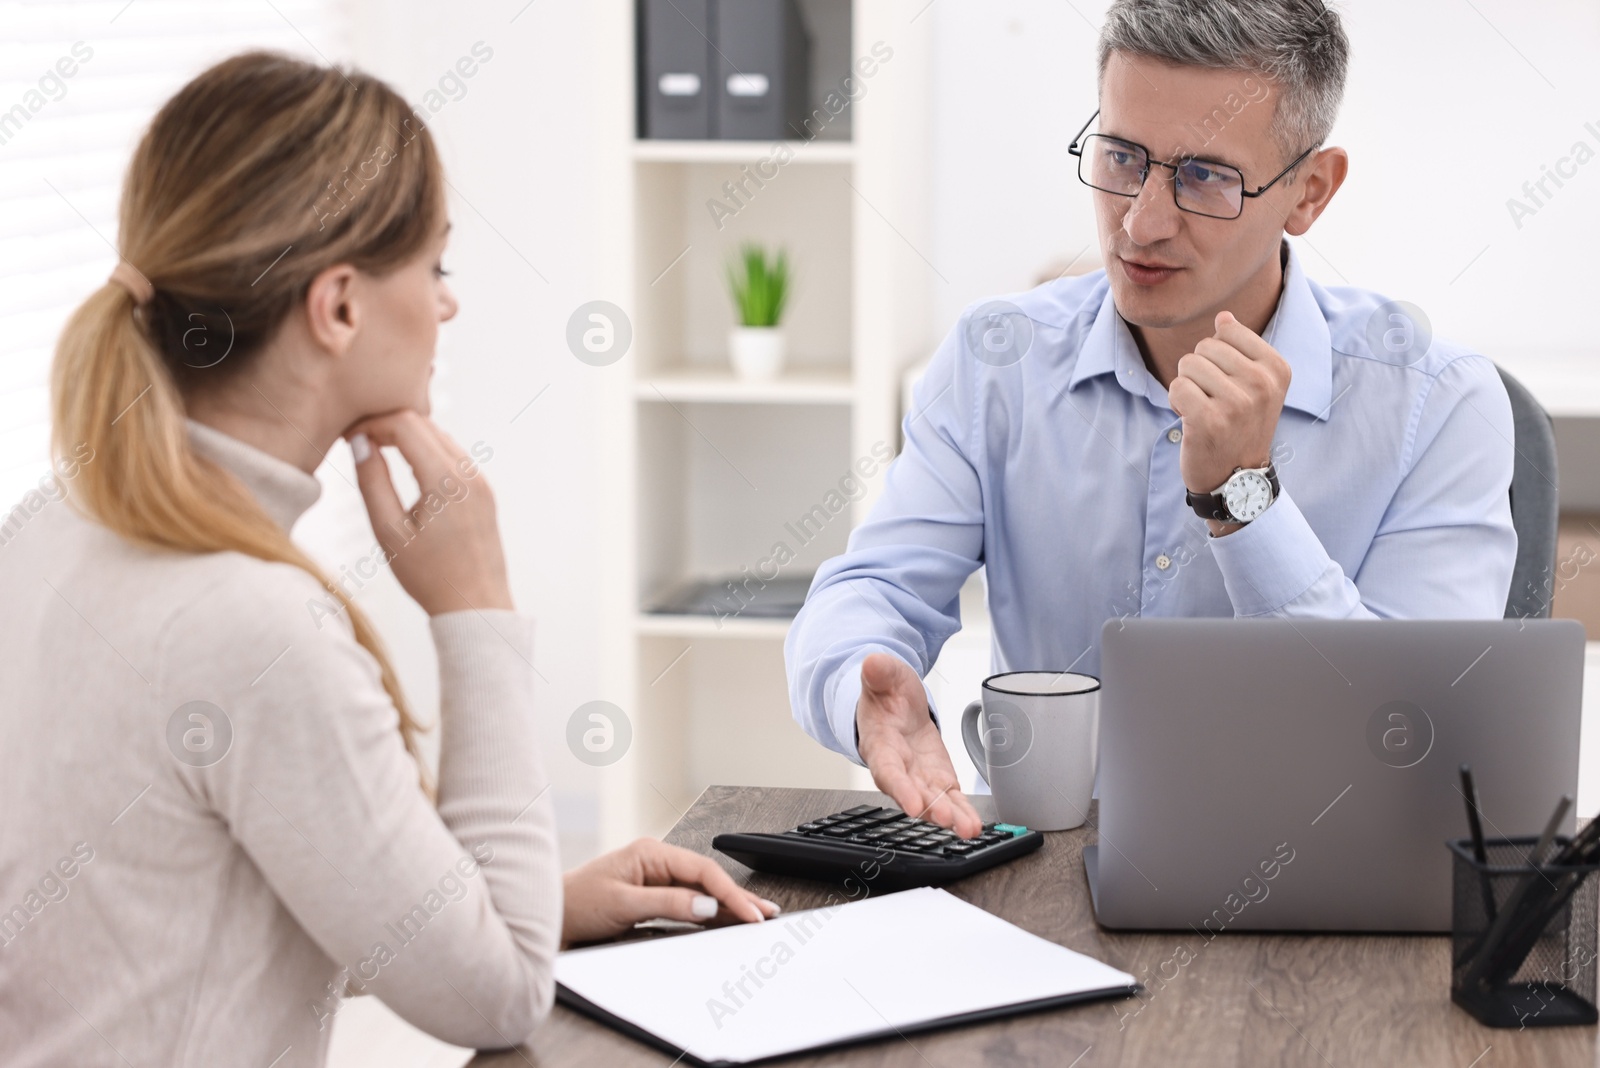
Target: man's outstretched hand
(902, 747)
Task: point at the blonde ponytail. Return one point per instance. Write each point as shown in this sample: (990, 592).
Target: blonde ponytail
(117, 384)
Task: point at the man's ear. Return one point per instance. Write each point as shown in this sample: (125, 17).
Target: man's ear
(332, 313)
(1321, 177)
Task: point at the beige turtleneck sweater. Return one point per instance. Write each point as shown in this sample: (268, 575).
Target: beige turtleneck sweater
(181, 885)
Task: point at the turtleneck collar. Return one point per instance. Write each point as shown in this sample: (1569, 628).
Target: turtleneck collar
(282, 489)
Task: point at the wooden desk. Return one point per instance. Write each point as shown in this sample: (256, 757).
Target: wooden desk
(1242, 999)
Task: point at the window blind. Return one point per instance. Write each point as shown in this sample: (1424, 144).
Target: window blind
(79, 81)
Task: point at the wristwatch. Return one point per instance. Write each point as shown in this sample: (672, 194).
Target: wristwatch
(1242, 498)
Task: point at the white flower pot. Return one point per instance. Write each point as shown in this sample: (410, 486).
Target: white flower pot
(756, 351)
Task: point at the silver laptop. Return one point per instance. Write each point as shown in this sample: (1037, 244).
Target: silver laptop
(1303, 775)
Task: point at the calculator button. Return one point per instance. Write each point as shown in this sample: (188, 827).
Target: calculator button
(810, 827)
(959, 849)
(858, 810)
(873, 836)
(837, 832)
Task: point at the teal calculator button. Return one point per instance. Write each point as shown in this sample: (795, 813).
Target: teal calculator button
(1011, 829)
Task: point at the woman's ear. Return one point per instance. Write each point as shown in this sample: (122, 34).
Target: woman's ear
(332, 315)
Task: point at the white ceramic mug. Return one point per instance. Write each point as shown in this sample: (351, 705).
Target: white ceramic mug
(1037, 745)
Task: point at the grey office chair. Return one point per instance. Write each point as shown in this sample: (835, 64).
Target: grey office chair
(1534, 508)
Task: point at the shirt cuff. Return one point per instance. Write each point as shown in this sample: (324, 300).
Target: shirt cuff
(1268, 563)
(847, 694)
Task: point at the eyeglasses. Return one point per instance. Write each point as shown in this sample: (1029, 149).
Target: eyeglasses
(1200, 186)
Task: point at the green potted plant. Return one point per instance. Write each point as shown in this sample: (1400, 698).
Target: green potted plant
(759, 286)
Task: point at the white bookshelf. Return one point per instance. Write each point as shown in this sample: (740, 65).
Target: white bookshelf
(803, 152)
(665, 625)
(719, 385)
(711, 471)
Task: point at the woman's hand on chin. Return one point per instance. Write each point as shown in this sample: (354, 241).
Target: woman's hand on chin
(445, 549)
(648, 879)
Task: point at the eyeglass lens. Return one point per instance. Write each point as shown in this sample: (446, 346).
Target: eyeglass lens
(1117, 166)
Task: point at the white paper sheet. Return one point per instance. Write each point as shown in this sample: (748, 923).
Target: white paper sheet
(825, 975)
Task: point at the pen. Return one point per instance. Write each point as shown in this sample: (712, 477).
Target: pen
(1581, 849)
(1483, 962)
(1520, 940)
(1550, 829)
(1469, 790)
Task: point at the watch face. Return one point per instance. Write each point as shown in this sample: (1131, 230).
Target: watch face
(1247, 495)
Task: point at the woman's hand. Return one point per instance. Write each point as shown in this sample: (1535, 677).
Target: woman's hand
(445, 549)
(648, 879)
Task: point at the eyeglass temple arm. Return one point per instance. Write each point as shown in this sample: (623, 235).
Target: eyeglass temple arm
(1286, 170)
(1074, 148)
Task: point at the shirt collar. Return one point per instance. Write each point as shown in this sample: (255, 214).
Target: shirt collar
(1297, 329)
(281, 488)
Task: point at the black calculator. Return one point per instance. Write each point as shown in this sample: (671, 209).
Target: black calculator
(880, 846)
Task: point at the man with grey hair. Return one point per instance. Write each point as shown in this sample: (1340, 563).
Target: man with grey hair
(1197, 430)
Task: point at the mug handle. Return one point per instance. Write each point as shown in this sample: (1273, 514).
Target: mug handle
(969, 735)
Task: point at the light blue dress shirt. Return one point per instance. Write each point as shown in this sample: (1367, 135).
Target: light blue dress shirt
(1058, 473)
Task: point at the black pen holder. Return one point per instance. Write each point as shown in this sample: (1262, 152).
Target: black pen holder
(1523, 939)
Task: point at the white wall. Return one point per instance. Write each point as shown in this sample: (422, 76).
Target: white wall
(515, 146)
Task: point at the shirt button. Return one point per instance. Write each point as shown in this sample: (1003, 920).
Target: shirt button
(1163, 561)
(1174, 435)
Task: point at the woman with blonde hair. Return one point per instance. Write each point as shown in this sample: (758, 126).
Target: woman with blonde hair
(215, 825)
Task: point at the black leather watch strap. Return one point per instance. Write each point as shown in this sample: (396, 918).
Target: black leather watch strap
(1215, 506)
(1208, 505)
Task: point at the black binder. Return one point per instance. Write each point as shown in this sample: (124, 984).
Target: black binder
(762, 62)
(675, 83)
